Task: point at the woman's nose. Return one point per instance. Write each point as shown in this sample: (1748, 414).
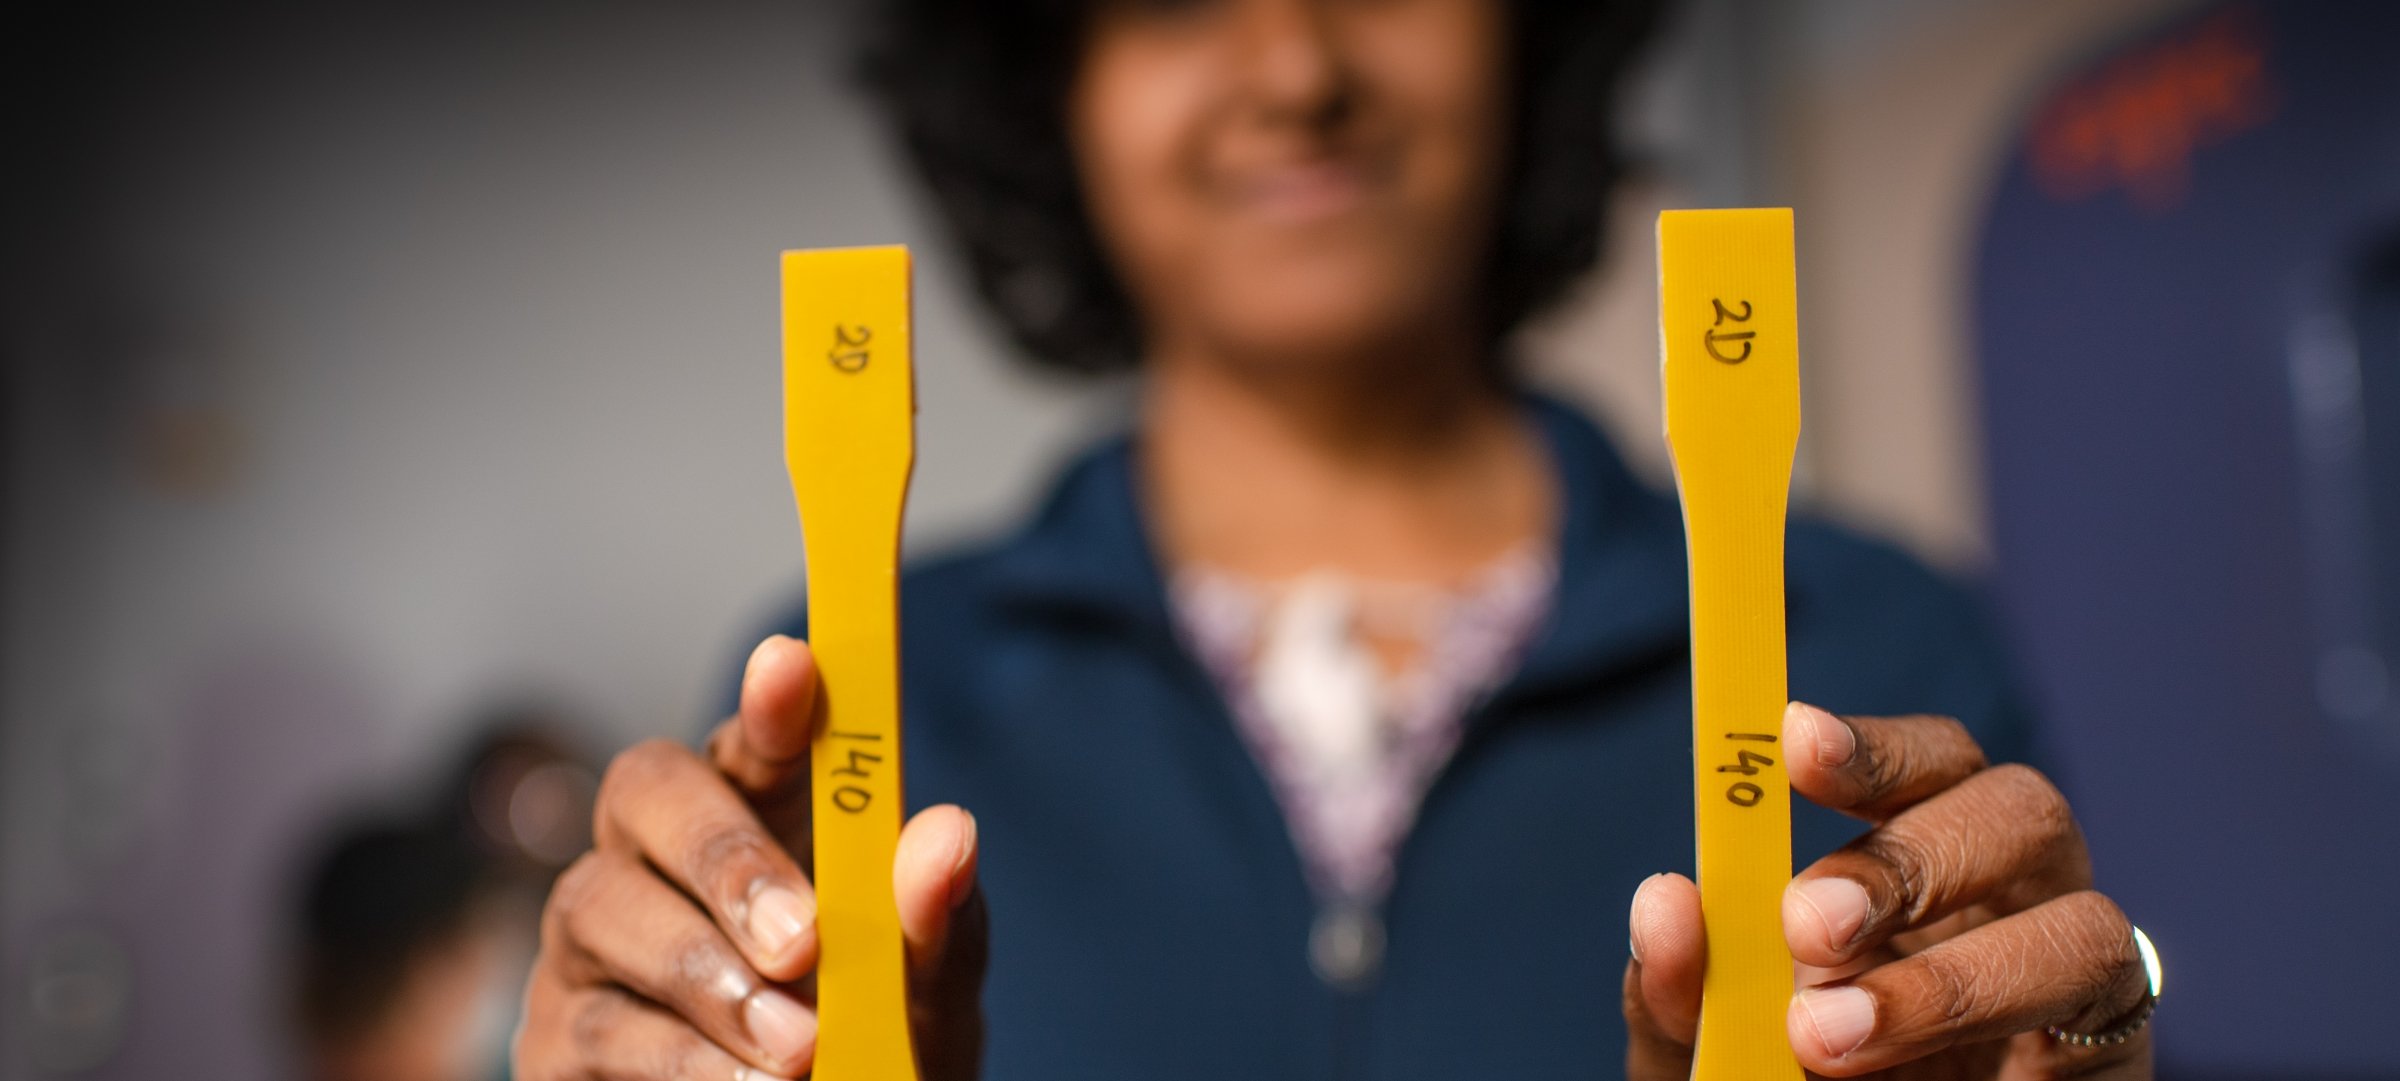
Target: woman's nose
(1292, 59)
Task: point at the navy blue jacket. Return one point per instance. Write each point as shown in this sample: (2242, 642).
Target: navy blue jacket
(1150, 918)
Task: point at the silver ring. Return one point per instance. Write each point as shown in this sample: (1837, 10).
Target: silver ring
(2141, 1014)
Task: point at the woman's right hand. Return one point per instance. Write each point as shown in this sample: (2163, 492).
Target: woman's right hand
(675, 949)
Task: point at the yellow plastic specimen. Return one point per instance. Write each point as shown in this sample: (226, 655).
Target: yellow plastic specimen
(1731, 364)
(849, 440)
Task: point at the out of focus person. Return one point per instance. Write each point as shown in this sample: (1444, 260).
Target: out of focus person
(399, 974)
(415, 929)
(1325, 724)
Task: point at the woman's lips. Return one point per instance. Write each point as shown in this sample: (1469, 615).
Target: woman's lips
(1303, 193)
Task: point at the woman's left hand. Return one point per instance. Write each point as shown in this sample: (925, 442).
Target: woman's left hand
(1939, 945)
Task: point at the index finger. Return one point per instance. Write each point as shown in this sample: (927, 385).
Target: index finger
(681, 816)
(1875, 767)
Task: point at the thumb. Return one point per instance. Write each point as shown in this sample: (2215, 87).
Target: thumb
(942, 918)
(763, 748)
(933, 875)
(1662, 984)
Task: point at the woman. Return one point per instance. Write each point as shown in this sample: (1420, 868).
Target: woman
(1319, 727)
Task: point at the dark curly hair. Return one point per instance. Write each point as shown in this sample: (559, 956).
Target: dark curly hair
(976, 90)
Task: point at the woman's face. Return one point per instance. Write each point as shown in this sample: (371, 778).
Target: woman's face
(1294, 182)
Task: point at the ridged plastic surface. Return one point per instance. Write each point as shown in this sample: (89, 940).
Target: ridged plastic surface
(850, 442)
(1730, 357)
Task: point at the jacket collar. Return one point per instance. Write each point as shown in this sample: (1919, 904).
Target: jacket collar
(1621, 595)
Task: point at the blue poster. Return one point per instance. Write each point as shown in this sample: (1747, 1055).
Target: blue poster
(2187, 323)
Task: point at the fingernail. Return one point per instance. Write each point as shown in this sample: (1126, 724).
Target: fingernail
(1836, 743)
(1842, 1016)
(772, 645)
(784, 1029)
(1840, 906)
(1633, 918)
(778, 916)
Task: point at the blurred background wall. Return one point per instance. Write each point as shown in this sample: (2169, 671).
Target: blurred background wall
(369, 371)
